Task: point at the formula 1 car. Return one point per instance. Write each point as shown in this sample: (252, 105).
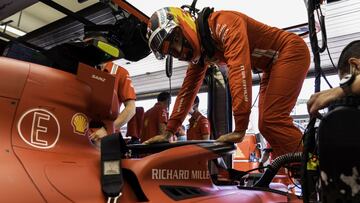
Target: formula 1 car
(46, 104)
(48, 156)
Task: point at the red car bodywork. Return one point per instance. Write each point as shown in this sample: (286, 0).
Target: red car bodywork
(47, 156)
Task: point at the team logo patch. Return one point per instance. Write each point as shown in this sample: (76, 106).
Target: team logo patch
(80, 123)
(39, 128)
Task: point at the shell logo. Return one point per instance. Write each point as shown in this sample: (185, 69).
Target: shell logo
(80, 123)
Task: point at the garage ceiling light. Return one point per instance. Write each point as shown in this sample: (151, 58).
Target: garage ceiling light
(12, 30)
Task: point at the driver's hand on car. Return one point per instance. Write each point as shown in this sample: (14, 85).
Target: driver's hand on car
(159, 138)
(97, 134)
(233, 137)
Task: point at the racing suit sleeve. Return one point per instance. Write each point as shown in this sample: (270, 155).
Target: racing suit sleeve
(193, 80)
(230, 31)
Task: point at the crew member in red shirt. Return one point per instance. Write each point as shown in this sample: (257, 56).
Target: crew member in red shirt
(245, 45)
(134, 126)
(199, 128)
(126, 95)
(156, 118)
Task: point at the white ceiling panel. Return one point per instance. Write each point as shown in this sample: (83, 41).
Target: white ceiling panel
(279, 13)
(147, 65)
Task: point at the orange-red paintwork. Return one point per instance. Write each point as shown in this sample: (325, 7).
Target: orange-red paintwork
(241, 159)
(46, 160)
(37, 167)
(45, 152)
(243, 162)
(191, 157)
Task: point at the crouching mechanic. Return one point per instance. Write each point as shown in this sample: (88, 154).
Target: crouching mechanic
(244, 44)
(349, 69)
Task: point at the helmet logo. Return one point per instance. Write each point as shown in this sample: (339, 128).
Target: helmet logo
(170, 16)
(180, 16)
(162, 19)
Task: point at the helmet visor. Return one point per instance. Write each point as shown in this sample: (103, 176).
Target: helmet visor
(156, 42)
(170, 42)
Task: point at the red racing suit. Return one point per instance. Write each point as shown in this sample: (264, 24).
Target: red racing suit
(245, 44)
